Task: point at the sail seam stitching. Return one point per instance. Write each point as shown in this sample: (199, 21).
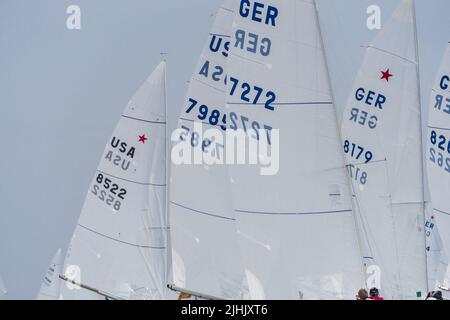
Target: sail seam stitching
(440, 211)
(143, 120)
(392, 54)
(202, 212)
(124, 242)
(282, 103)
(135, 182)
(208, 85)
(294, 213)
(437, 128)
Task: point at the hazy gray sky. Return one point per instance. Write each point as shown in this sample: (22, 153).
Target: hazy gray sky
(62, 92)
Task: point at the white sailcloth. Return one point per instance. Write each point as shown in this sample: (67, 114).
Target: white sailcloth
(205, 255)
(438, 153)
(296, 227)
(437, 261)
(382, 142)
(120, 243)
(51, 284)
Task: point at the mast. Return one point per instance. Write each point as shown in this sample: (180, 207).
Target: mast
(419, 97)
(167, 168)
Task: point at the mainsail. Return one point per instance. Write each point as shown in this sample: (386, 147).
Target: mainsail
(296, 227)
(205, 255)
(51, 284)
(438, 152)
(119, 248)
(381, 133)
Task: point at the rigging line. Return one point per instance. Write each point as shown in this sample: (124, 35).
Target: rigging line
(132, 181)
(202, 212)
(143, 120)
(120, 241)
(294, 213)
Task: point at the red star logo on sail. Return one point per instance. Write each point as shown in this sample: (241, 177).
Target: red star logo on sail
(386, 75)
(143, 138)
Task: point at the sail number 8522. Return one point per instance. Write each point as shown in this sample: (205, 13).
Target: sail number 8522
(109, 192)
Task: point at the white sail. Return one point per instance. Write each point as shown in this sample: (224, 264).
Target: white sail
(296, 227)
(51, 284)
(438, 153)
(3, 290)
(119, 246)
(381, 133)
(205, 255)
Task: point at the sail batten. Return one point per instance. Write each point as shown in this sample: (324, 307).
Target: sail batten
(293, 213)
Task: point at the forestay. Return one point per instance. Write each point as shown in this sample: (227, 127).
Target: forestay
(119, 244)
(438, 152)
(51, 284)
(205, 255)
(296, 227)
(382, 142)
